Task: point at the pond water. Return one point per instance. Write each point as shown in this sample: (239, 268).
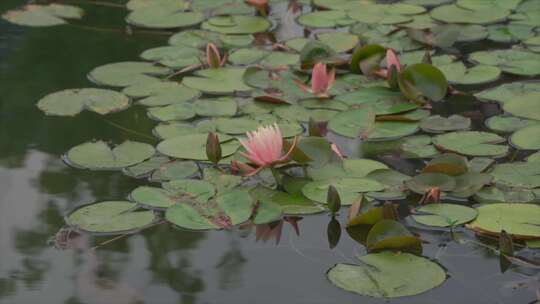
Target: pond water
(165, 264)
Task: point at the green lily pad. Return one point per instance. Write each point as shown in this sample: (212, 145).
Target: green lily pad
(158, 88)
(511, 61)
(448, 163)
(509, 91)
(439, 124)
(236, 24)
(43, 15)
(388, 275)
(444, 215)
(224, 106)
(508, 124)
(352, 123)
(99, 156)
(459, 74)
(527, 138)
(178, 94)
(218, 81)
(292, 202)
(384, 13)
(423, 80)
(488, 4)
(340, 42)
(518, 220)
(146, 167)
(144, 4)
(424, 182)
(470, 183)
(510, 33)
(391, 235)
(224, 211)
(173, 170)
(176, 57)
(110, 217)
(472, 143)
(527, 106)
(180, 111)
(164, 17)
(124, 74)
(348, 188)
(181, 191)
(490, 195)
(173, 129)
(525, 175)
(535, 157)
(193, 146)
(74, 101)
(455, 14)
(417, 146)
(390, 130)
(324, 19)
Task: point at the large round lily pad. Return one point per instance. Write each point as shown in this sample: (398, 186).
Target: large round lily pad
(218, 81)
(472, 143)
(527, 106)
(224, 211)
(439, 124)
(521, 175)
(110, 217)
(72, 102)
(444, 215)
(388, 275)
(527, 138)
(518, 220)
(454, 14)
(348, 188)
(236, 24)
(459, 74)
(123, 74)
(509, 91)
(163, 17)
(43, 15)
(193, 146)
(511, 61)
(99, 156)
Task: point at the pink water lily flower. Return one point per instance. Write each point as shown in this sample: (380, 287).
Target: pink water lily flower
(213, 57)
(264, 149)
(321, 81)
(391, 60)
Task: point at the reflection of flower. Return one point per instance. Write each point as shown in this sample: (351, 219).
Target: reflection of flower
(265, 232)
(264, 148)
(213, 57)
(321, 81)
(392, 60)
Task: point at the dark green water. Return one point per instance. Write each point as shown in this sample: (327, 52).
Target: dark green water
(162, 264)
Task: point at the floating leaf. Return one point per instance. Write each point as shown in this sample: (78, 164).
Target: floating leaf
(444, 215)
(348, 189)
(388, 275)
(508, 124)
(448, 163)
(509, 91)
(176, 57)
(526, 106)
(218, 81)
(459, 74)
(424, 182)
(517, 175)
(176, 192)
(455, 14)
(340, 42)
(72, 102)
(510, 61)
(124, 74)
(391, 235)
(439, 124)
(423, 80)
(527, 138)
(518, 220)
(43, 15)
(164, 17)
(99, 156)
(353, 123)
(193, 146)
(472, 143)
(225, 210)
(110, 217)
(236, 24)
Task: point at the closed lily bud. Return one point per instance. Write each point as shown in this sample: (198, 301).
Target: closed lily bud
(213, 148)
(213, 57)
